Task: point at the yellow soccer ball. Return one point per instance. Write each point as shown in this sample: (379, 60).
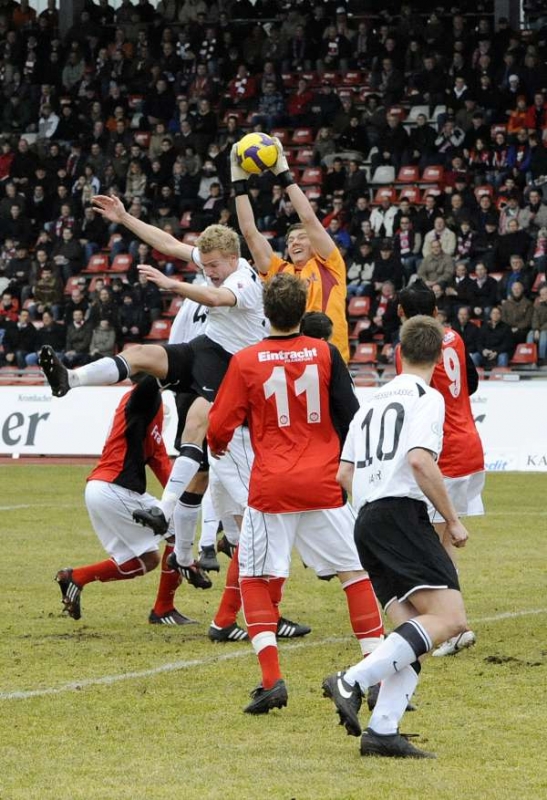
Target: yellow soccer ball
(256, 152)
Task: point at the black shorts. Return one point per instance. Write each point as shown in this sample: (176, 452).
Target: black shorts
(196, 367)
(399, 548)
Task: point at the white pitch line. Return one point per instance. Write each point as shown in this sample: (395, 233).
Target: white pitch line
(175, 666)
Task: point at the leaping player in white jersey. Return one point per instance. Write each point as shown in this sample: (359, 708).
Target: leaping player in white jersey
(187, 325)
(235, 320)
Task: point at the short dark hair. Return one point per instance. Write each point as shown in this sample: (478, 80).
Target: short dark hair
(417, 299)
(317, 325)
(285, 299)
(421, 340)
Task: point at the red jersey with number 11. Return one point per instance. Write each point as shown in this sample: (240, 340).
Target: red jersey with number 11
(297, 396)
(462, 452)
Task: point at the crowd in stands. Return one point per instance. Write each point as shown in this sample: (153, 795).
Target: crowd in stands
(420, 139)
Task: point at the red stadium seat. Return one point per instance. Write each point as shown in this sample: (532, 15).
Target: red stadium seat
(360, 325)
(365, 354)
(330, 77)
(122, 263)
(174, 306)
(399, 111)
(312, 176)
(482, 190)
(497, 128)
(412, 194)
(186, 220)
(304, 156)
(160, 330)
(142, 138)
(383, 192)
(282, 134)
(525, 354)
(302, 136)
(408, 174)
(72, 283)
(359, 306)
(433, 174)
(539, 281)
(190, 237)
(352, 78)
(97, 263)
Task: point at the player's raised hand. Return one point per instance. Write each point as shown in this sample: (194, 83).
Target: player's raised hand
(237, 173)
(110, 207)
(155, 276)
(281, 165)
(458, 533)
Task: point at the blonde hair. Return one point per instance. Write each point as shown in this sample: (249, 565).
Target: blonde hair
(219, 237)
(421, 340)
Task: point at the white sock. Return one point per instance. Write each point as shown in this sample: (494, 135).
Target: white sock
(395, 693)
(103, 372)
(209, 522)
(393, 655)
(184, 469)
(185, 519)
(231, 530)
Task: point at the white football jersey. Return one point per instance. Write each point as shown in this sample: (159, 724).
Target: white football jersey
(403, 415)
(190, 320)
(236, 327)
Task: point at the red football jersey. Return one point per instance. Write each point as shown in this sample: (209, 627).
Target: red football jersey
(462, 452)
(297, 396)
(135, 440)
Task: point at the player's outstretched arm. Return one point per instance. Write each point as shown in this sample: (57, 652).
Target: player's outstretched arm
(210, 296)
(320, 240)
(112, 208)
(259, 246)
(430, 480)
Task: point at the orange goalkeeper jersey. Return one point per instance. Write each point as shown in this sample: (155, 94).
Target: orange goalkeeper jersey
(326, 278)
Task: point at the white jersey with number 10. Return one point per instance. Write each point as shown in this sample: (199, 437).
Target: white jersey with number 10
(405, 414)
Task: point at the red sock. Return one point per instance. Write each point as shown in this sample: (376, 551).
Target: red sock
(364, 613)
(108, 570)
(262, 626)
(275, 586)
(230, 602)
(169, 582)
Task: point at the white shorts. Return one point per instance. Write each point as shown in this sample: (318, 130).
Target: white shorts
(229, 476)
(110, 509)
(323, 539)
(466, 495)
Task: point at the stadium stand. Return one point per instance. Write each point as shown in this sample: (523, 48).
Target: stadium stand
(384, 116)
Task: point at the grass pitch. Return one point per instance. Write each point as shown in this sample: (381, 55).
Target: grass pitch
(111, 707)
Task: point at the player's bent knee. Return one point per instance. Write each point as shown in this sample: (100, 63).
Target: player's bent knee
(149, 358)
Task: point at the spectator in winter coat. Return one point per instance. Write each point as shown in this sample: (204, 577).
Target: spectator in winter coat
(495, 344)
(78, 340)
(516, 312)
(19, 340)
(103, 340)
(538, 332)
(437, 267)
